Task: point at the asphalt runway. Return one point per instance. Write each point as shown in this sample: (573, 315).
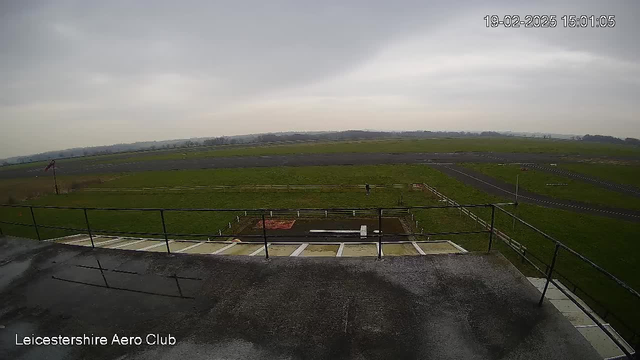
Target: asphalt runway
(499, 188)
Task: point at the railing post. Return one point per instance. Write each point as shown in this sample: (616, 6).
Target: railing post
(86, 220)
(553, 264)
(379, 233)
(35, 224)
(493, 217)
(264, 234)
(164, 230)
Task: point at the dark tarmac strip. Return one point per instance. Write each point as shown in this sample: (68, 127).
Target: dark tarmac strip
(471, 306)
(503, 189)
(625, 189)
(86, 167)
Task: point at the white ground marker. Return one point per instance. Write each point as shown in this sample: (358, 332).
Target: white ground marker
(300, 249)
(154, 245)
(223, 249)
(418, 248)
(190, 247)
(340, 250)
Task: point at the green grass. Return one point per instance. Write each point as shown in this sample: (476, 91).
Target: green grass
(19, 189)
(622, 174)
(523, 145)
(608, 242)
(577, 190)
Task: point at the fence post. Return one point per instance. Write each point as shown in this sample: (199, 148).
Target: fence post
(379, 233)
(164, 230)
(264, 234)
(35, 224)
(86, 219)
(493, 217)
(553, 264)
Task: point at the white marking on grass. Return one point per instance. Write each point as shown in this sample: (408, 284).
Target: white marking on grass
(340, 250)
(190, 247)
(155, 245)
(223, 249)
(418, 248)
(126, 244)
(300, 249)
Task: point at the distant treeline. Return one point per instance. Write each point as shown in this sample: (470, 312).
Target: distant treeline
(283, 137)
(610, 140)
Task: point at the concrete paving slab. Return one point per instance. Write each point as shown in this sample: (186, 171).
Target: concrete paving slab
(399, 249)
(359, 250)
(162, 246)
(242, 249)
(578, 318)
(321, 250)
(205, 248)
(438, 248)
(555, 294)
(281, 250)
(83, 242)
(72, 239)
(110, 243)
(565, 305)
(180, 245)
(137, 244)
(600, 341)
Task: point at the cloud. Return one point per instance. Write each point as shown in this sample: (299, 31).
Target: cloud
(118, 71)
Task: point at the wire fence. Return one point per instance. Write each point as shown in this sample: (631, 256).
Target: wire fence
(543, 266)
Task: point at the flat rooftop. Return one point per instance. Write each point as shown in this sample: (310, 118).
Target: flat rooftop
(472, 306)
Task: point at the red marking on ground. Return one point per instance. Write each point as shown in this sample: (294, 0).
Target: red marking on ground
(276, 224)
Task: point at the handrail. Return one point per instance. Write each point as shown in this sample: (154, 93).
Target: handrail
(582, 257)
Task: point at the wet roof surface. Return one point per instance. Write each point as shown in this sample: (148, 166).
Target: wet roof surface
(472, 306)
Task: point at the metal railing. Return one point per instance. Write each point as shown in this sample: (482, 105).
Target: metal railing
(550, 271)
(379, 212)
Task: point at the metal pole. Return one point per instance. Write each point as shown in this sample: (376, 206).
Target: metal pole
(55, 180)
(264, 234)
(517, 185)
(513, 226)
(553, 263)
(164, 229)
(35, 225)
(86, 219)
(493, 217)
(379, 233)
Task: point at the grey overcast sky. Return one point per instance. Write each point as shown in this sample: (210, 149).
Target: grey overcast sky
(84, 73)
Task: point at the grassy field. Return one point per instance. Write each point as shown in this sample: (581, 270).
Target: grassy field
(622, 174)
(20, 189)
(523, 145)
(610, 243)
(537, 180)
(515, 144)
